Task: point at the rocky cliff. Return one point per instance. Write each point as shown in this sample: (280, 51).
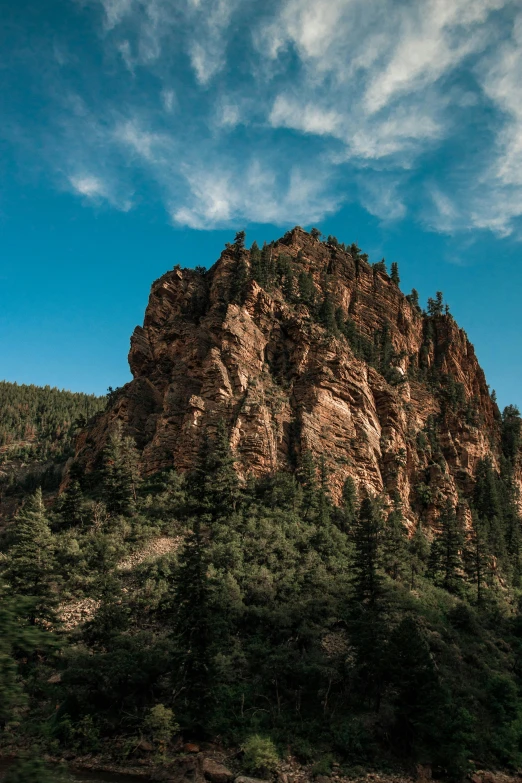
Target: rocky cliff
(325, 355)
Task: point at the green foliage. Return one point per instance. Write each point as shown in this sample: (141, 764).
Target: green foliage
(240, 272)
(120, 475)
(413, 298)
(159, 724)
(394, 274)
(446, 555)
(260, 754)
(29, 568)
(39, 423)
(436, 306)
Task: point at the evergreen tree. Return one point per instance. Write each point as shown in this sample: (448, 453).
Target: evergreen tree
(327, 314)
(307, 476)
(446, 565)
(413, 298)
(367, 538)
(120, 473)
(315, 234)
(395, 545)
(214, 486)
(325, 500)
(395, 273)
(380, 266)
(436, 306)
(256, 269)
(71, 506)
(29, 567)
(350, 505)
(307, 289)
(267, 266)
(511, 433)
(194, 627)
(477, 559)
(419, 551)
(239, 271)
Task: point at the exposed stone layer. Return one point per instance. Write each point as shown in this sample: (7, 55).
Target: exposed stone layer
(283, 384)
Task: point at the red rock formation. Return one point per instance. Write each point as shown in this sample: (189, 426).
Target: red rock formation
(284, 384)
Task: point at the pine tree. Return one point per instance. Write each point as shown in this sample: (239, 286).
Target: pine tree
(367, 538)
(307, 477)
(120, 473)
(240, 270)
(477, 559)
(325, 500)
(419, 551)
(395, 273)
(214, 486)
(395, 545)
(315, 233)
(256, 270)
(327, 314)
(436, 306)
(307, 289)
(29, 566)
(71, 506)
(267, 266)
(413, 298)
(511, 433)
(350, 504)
(446, 565)
(194, 625)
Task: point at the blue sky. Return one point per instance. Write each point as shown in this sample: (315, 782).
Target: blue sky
(136, 134)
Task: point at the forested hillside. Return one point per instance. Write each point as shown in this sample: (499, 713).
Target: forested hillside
(37, 430)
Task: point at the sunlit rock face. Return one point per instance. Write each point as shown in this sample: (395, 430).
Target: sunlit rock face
(284, 383)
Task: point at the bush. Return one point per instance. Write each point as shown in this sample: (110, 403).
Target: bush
(160, 724)
(323, 766)
(260, 754)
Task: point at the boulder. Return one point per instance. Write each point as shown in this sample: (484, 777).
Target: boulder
(216, 772)
(190, 747)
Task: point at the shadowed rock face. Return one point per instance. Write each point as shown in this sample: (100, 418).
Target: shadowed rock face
(283, 384)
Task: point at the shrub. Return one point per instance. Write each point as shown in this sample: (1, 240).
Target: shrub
(323, 766)
(260, 754)
(159, 723)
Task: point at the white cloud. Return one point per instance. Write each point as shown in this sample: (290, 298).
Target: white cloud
(309, 118)
(144, 143)
(370, 90)
(168, 99)
(87, 185)
(217, 197)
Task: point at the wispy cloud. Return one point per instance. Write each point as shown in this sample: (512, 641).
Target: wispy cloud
(278, 112)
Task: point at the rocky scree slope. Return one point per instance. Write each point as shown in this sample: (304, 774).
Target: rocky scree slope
(328, 356)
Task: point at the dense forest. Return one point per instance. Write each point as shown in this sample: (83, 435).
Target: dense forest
(147, 611)
(37, 430)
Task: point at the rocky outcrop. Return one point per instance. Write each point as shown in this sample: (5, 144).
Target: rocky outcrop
(396, 400)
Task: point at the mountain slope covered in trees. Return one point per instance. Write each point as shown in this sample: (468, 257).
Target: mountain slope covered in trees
(37, 430)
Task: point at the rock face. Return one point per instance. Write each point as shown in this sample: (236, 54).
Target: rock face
(410, 419)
